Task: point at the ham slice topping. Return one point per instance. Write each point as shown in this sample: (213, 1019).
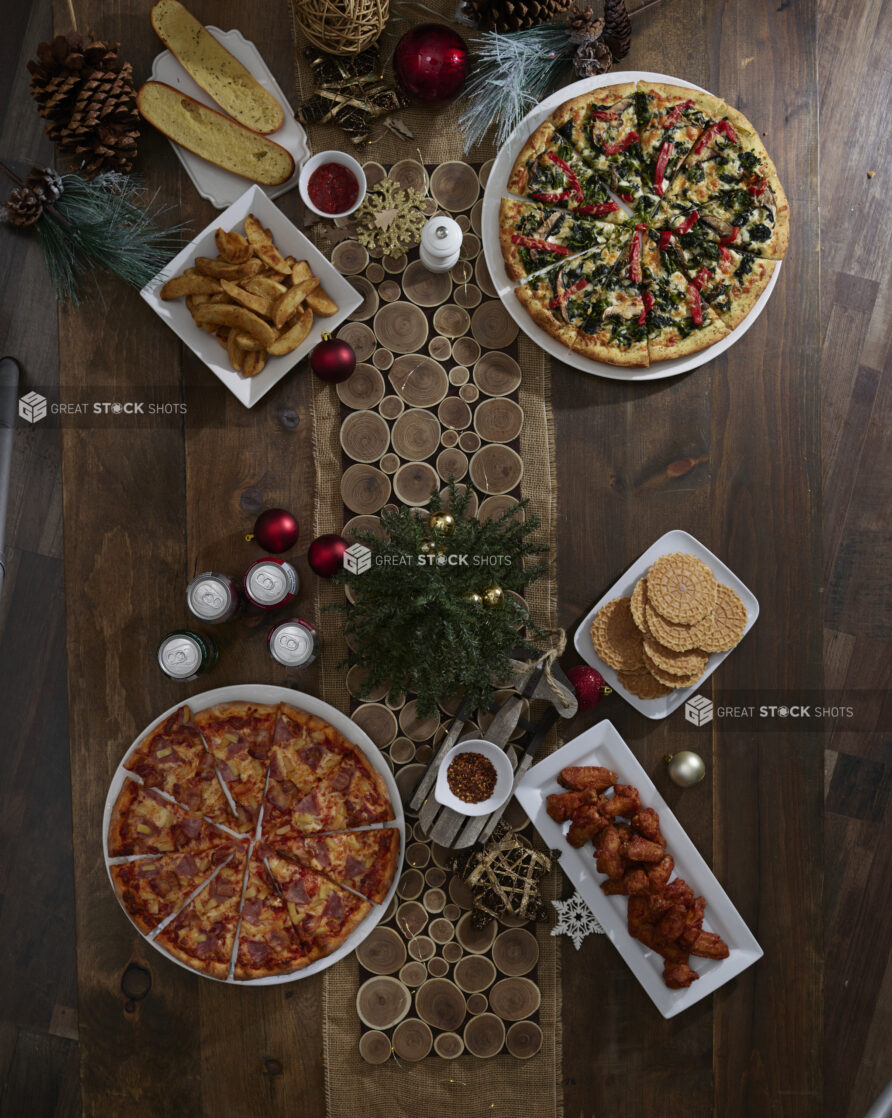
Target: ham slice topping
(251, 910)
(353, 867)
(297, 893)
(334, 908)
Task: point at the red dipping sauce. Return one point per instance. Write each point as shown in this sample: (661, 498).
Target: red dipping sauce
(332, 188)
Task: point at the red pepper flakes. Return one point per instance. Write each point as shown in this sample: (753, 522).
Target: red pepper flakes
(471, 777)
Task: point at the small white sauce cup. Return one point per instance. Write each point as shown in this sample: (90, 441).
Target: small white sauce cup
(317, 161)
(504, 778)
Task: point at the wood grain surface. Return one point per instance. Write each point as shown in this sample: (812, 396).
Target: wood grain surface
(796, 826)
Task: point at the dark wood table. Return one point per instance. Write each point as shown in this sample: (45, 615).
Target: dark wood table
(730, 452)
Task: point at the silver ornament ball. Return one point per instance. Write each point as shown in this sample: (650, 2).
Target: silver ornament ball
(685, 768)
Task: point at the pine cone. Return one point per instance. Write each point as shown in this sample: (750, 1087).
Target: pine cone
(24, 207)
(583, 24)
(592, 58)
(513, 15)
(617, 28)
(46, 183)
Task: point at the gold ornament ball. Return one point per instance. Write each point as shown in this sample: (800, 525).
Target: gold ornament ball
(473, 597)
(427, 546)
(493, 596)
(443, 523)
(685, 768)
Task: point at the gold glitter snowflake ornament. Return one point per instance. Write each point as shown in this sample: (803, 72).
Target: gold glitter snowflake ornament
(390, 218)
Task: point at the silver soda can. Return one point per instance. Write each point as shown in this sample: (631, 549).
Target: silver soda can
(184, 655)
(293, 643)
(271, 583)
(213, 598)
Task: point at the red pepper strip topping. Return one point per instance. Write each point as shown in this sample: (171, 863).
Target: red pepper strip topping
(538, 244)
(568, 293)
(630, 198)
(756, 188)
(672, 118)
(603, 114)
(648, 304)
(700, 279)
(689, 222)
(663, 158)
(665, 238)
(621, 145)
(635, 259)
(731, 238)
(726, 127)
(726, 254)
(601, 208)
(708, 134)
(565, 167)
(551, 195)
(696, 306)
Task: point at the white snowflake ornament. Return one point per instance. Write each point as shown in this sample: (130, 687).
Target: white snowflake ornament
(575, 919)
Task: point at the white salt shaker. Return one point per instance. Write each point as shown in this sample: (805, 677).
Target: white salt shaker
(440, 244)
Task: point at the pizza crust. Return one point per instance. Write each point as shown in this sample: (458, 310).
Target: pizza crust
(695, 341)
(542, 316)
(510, 211)
(743, 303)
(519, 178)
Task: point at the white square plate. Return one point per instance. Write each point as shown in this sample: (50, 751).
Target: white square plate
(665, 545)
(602, 745)
(220, 187)
(291, 242)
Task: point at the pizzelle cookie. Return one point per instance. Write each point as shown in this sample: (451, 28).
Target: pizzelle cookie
(638, 604)
(681, 588)
(643, 685)
(616, 637)
(729, 622)
(680, 638)
(673, 682)
(672, 662)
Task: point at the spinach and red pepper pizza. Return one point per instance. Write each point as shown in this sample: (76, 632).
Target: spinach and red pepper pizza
(652, 221)
(221, 900)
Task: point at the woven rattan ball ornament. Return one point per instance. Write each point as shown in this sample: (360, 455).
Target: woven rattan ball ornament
(342, 27)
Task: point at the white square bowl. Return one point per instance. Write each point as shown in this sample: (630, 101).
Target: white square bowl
(290, 242)
(602, 745)
(675, 540)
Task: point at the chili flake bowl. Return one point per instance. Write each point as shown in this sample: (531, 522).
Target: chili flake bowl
(317, 161)
(504, 778)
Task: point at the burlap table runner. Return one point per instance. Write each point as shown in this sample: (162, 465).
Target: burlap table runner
(467, 1086)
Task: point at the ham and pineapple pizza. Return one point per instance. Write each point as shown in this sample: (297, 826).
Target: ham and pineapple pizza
(677, 159)
(183, 879)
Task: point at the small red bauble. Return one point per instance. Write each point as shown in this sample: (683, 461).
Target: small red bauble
(588, 684)
(326, 555)
(431, 63)
(275, 530)
(332, 360)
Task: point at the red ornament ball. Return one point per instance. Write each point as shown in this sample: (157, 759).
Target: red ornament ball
(326, 555)
(276, 530)
(332, 360)
(431, 63)
(588, 684)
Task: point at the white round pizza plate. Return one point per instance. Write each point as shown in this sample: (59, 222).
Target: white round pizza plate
(265, 693)
(496, 188)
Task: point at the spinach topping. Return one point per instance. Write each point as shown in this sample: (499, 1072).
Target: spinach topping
(746, 263)
(760, 232)
(749, 160)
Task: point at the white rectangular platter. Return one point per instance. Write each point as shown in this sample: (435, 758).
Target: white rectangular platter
(290, 241)
(675, 540)
(220, 187)
(602, 745)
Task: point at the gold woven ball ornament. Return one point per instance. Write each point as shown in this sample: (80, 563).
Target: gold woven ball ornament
(342, 27)
(427, 547)
(473, 597)
(686, 768)
(443, 523)
(493, 596)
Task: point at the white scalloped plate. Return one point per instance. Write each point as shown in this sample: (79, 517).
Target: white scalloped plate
(496, 188)
(267, 693)
(222, 188)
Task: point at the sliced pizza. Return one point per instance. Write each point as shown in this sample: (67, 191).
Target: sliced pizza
(679, 320)
(549, 170)
(603, 127)
(736, 218)
(173, 758)
(322, 913)
(352, 795)
(203, 934)
(267, 941)
(145, 822)
(730, 281)
(305, 749)
(671, 119)
(533, 236)
(615, 331)
(365, 861)
(240, 736)
(151, 889)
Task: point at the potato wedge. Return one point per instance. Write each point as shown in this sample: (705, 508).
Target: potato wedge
(290, 261)
(233, 247)
(219, 269)
(234, 350)
(288, 303)
(187, 284)
(239, 317)
(301, 271)
(253, 363)
(321, 302)
(271, 256)
(255, 232)
(292, 338)
(246, 342)
(268, 288)
(255, 303)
